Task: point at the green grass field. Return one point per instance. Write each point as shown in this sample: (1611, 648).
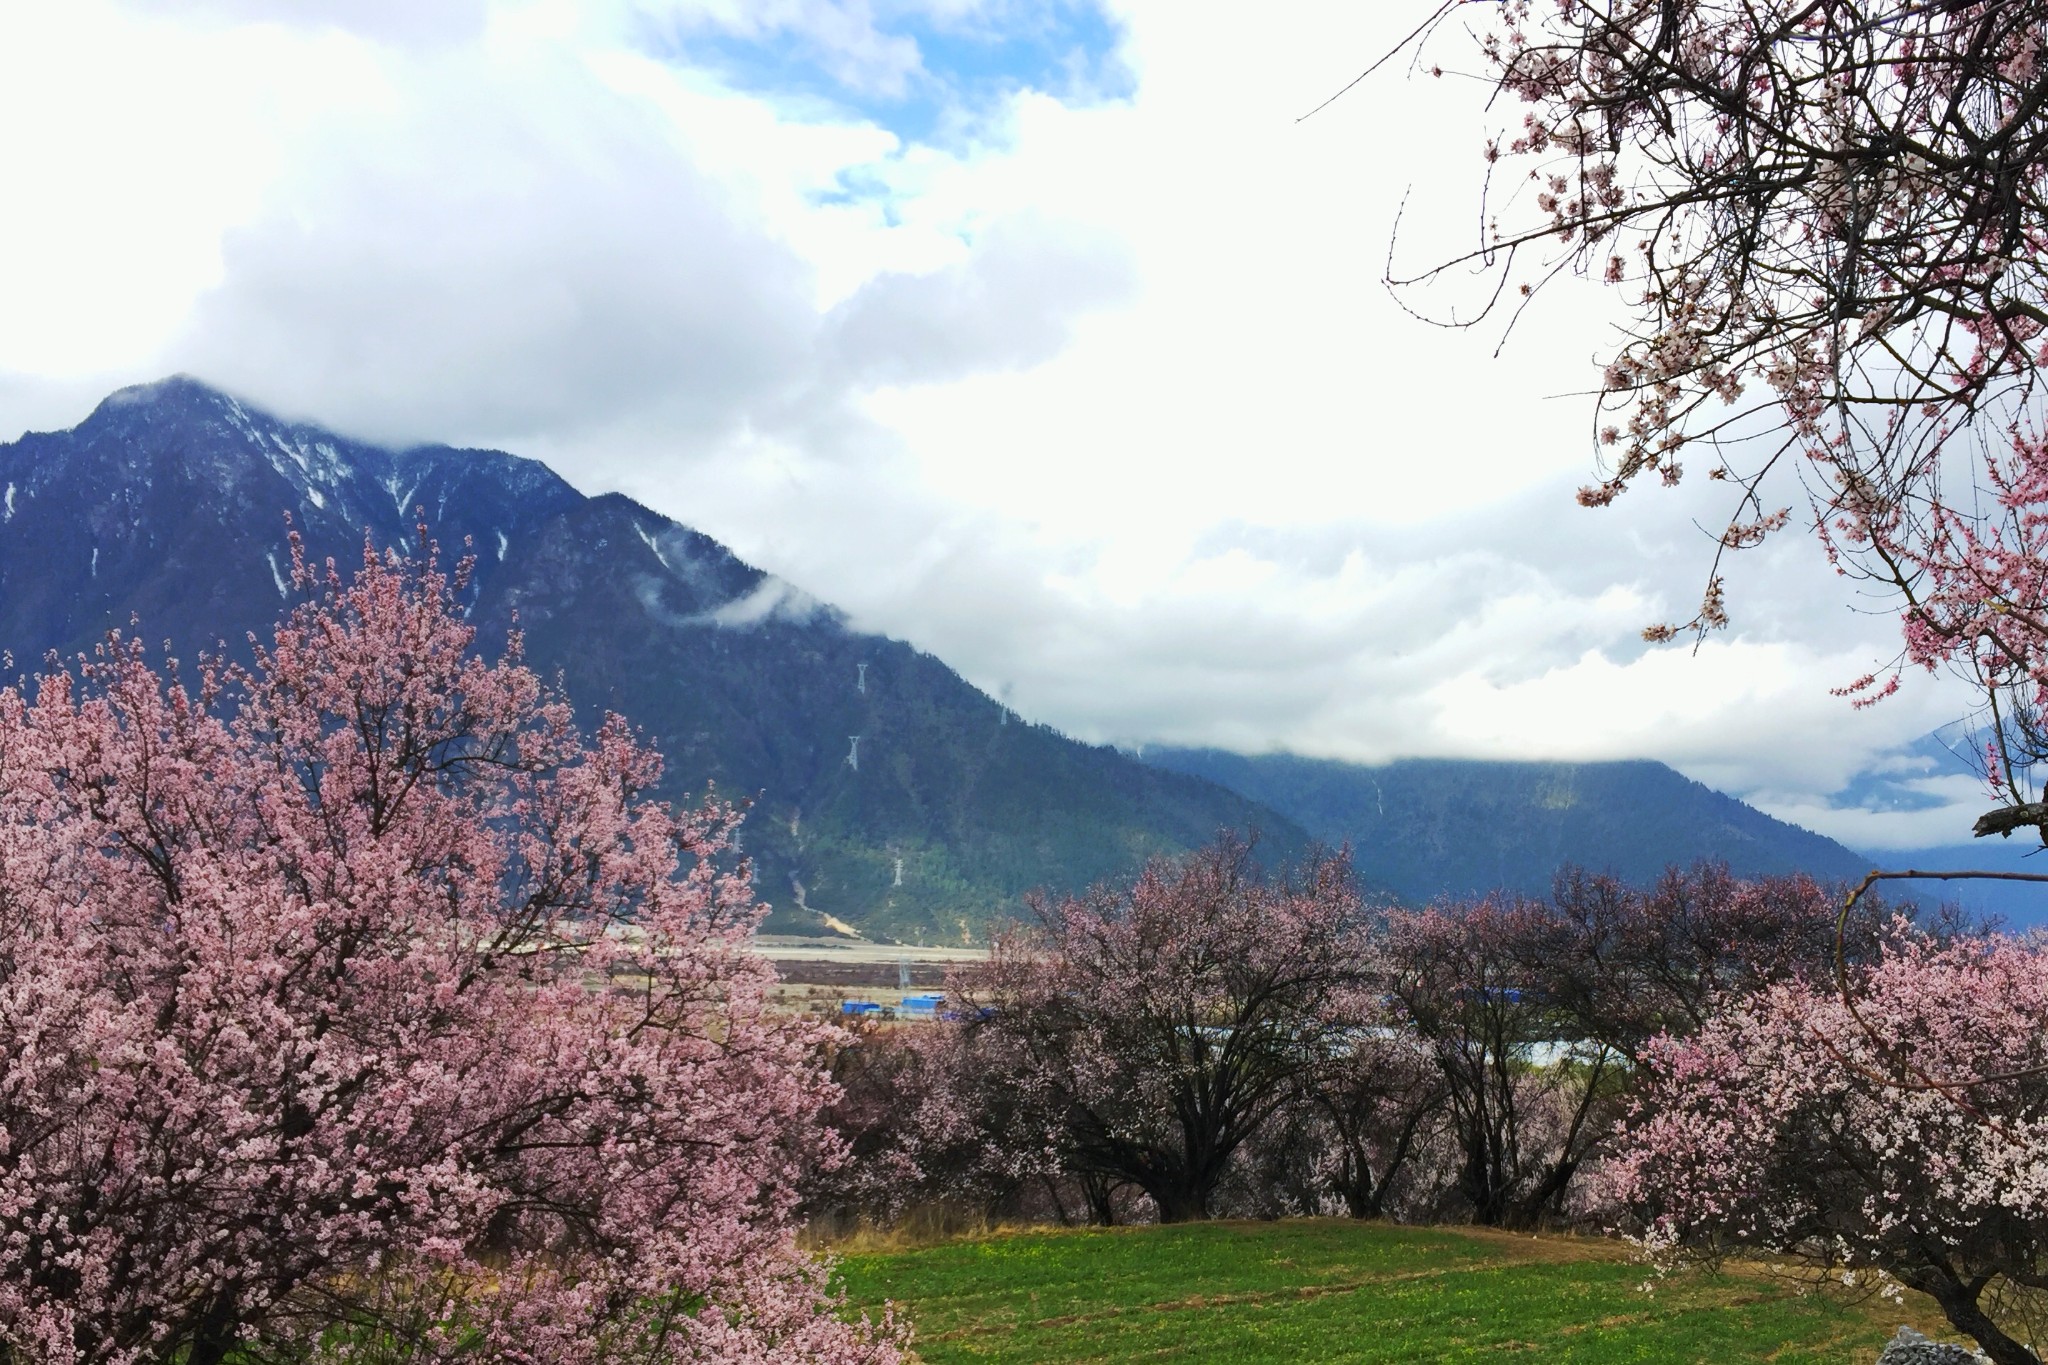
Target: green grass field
(1329, 1291)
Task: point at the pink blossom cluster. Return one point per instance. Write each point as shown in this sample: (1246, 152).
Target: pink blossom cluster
(1900, 1132)
(353, 1001)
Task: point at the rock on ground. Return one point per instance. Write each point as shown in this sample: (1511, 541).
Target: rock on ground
(1908, 1347)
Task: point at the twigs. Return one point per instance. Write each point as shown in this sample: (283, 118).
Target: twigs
(1844, 207)
(1420, 29)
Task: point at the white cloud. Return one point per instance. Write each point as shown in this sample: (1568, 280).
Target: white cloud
(1009, 304)
(403, 22)
(1955, 802)
(513, 248)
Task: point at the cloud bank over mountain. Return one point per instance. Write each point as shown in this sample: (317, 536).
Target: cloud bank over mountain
(1041, 335)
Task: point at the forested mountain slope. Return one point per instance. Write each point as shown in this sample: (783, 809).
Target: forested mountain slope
(1431, 827)
(170, 503)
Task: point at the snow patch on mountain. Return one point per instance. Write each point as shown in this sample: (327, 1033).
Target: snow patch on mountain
(652, 545)
(403, 502)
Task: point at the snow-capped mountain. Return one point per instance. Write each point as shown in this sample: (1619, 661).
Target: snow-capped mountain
(173, 503)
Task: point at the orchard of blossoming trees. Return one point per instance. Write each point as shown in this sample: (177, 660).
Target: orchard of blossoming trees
(1676, 1059)
(354, 1005)
(1208, 1041)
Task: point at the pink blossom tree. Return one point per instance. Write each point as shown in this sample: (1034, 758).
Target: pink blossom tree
(1627, 964)
(1897, 1135)
(354, 1003)
(1826, 225)
(1152, 1029)
(1371, 1109)
(932, 1131)
(1529, 1097)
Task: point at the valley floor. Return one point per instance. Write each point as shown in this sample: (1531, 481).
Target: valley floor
(1334, 1291)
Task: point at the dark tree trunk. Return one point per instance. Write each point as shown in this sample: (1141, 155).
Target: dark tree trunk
(1181, 1205)
(217, 1332)
(1482, 1186)
(1959, 1304)
(1355, 1186)
(1547, 1197)
(1059, 1205)
(1183, 1191)
(1100, 1192)
(1361, 1199)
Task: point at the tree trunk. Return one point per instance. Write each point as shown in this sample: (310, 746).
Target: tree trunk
(1480, 1185)
(217, 1332)
(1100, 1192)
(1052, 1190)
(1959, 1304)
(1181, 1205)
(1362, 1198)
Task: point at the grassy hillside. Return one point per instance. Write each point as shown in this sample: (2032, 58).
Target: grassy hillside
(1333, 1291)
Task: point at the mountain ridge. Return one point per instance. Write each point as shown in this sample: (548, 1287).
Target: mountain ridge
(174, 502)
(885, 790)
(1434, 827)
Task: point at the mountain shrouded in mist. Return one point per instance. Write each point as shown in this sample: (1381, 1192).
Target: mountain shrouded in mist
(170, 503)
(886, 791)
(1458, 827)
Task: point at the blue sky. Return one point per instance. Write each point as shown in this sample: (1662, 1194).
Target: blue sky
(928, 78)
